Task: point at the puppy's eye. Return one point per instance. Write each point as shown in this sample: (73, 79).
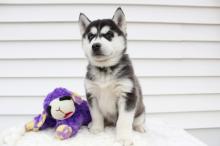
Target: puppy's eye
(109, 35)
(90, 36)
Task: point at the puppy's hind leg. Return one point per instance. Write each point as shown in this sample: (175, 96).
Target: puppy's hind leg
(139, 122)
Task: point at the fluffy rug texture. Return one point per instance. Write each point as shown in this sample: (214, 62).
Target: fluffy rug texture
(158, 134)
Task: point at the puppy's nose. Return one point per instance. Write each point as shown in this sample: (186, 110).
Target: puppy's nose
(96, 47)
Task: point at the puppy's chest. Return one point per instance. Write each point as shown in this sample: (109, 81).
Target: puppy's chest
(107, 85)
(107, 93)
(108, 89)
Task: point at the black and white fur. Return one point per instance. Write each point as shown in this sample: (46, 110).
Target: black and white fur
(112, 89)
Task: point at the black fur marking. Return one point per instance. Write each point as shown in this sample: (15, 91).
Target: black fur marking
(91, 36)
(114, 67)
(89, 98)
(48, 110)
(126, 70)
(109, 35)
(131, 100)
(89, 74)
(65, 98)
(102, 69)
(99, 24)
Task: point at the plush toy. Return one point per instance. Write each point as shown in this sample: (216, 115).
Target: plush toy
(64, 110)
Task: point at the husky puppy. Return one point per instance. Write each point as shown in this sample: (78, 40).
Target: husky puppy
(112, 89)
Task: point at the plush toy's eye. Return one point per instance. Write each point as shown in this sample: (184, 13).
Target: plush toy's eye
(65, 98)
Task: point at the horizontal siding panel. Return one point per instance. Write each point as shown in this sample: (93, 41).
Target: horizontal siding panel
(136, 31)
(182, 103)
(151, 85)
(77, 68)
(145, 13)
(136, 49)
(190, 120)
(205, 3)
(27, 105)
(154, 104)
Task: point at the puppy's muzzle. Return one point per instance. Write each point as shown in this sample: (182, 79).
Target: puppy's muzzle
(96, 49)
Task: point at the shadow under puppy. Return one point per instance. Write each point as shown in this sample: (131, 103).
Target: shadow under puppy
(112, 89)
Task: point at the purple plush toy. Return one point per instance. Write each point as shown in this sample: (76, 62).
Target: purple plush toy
(64, 110)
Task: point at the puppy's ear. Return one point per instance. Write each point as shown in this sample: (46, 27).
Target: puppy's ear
(83, 22)
(119, 19)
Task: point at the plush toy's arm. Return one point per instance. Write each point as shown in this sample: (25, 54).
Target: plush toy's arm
(40, 122)
(69, 127)
(77, 123)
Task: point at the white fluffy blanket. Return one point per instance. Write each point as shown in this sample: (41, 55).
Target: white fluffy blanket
(158, 134)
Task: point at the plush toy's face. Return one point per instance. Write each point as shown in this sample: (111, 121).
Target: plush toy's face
(61, 108)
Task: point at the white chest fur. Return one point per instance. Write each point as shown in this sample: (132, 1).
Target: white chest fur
(108, 89)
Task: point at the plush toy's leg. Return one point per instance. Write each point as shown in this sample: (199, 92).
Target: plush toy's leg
(36, 124)
(40, 122)
(63, 132)
(29, 126)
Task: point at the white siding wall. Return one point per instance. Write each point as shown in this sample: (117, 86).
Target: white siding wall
(175, 47)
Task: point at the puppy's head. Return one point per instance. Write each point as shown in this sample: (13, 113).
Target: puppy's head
(104, 41)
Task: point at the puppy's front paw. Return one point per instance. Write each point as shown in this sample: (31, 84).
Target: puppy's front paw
(96, 129)
(125, 142)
